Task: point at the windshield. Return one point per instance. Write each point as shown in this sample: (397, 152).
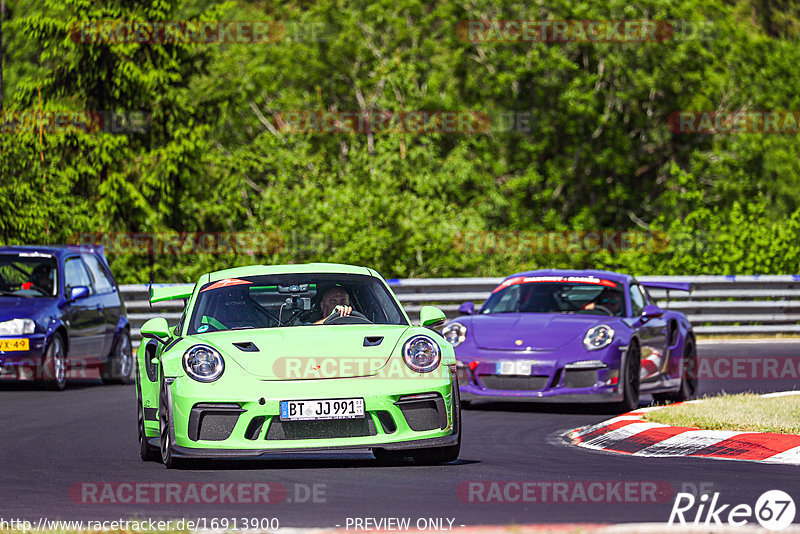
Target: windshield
(28, 274)
(553, 295)
(272, 301)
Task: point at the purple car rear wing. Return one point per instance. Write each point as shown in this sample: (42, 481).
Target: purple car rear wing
(669, 286)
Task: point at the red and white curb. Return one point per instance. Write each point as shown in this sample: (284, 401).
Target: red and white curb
(630, 434)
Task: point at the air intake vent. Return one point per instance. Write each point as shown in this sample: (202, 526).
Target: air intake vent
(519, 383)
(246, 346)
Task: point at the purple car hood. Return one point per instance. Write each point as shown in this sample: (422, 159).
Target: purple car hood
(539, 331)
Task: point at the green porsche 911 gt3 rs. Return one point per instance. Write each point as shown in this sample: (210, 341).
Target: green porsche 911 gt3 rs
(293, 358)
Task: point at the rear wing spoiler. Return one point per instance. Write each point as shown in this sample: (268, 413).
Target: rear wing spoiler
(162, 293)
(669, 286)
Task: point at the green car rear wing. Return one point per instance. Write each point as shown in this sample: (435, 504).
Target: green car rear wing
(162, 293)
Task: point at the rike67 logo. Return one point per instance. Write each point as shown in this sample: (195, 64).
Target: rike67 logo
(774, 510)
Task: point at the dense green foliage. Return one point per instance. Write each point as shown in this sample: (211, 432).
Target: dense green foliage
(599, 153)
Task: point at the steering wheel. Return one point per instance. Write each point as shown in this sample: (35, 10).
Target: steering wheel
(603, 309)
(354, 318)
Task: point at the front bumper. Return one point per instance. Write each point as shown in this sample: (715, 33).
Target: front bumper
(552, 378)
(22, 358)
(211, 422)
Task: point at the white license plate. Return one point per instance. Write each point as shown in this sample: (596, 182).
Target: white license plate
(514, 367)
(309, 410)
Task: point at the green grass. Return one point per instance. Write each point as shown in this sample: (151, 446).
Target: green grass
(745, 411)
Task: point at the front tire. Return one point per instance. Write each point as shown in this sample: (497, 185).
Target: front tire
(53, 370)
(629, 380)
(164, 425)
(688, 387)
(119, 368)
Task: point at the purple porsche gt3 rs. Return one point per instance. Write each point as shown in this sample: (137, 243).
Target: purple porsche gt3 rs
(574, 336)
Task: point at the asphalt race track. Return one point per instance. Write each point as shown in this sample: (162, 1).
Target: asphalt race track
(53, 444)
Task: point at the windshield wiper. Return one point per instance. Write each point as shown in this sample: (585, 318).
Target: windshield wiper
(242, 328)
(12, 294)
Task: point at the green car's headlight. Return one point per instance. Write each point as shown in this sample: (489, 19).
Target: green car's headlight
(455, 333)
(422, 354)
(17, 327)
(598, 337)
(203, 363)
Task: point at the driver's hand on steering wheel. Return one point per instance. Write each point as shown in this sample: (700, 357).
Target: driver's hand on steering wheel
(341, 309)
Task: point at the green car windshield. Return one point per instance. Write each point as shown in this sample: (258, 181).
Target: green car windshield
(283, 300)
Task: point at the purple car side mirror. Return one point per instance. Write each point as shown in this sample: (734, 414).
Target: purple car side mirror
(651, 311)
(467, 308)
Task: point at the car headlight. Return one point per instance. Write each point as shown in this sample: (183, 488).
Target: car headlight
(598, 337)
(421, 354)
(455, 333)
(17, 327)
(203, 363)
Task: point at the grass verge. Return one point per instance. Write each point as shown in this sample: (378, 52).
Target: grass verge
(744, 411)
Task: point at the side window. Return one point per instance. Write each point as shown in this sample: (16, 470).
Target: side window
(637, 300)
(75, 274)
(102, 283)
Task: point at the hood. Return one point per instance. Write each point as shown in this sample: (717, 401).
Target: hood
(24, 308)
(308, 352)
(539, 331)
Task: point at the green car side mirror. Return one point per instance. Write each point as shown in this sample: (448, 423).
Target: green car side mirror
(431, 317)
(156, 328)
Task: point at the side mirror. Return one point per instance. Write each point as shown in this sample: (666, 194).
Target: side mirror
(156, 328)
(431, 317)
(651, 311)
(78, 292)
(468, 308)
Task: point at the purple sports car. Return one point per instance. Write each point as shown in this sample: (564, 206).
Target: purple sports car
(574, 336)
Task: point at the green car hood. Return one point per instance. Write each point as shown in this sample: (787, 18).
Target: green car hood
(308, 352)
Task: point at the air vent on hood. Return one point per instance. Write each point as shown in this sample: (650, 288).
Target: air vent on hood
(246, 346)
(372, 341)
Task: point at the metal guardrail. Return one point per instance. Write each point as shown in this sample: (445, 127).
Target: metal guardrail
(751, 304)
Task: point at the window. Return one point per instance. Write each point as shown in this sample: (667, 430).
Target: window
(75, 274)
(637, 300)
(102, 283)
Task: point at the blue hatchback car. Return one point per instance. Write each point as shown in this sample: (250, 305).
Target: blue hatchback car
(60, 309)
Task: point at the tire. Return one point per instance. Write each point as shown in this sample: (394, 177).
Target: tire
(52, 372)
(688, 387)
(119, 369)
(147, 452)
(164, 425)
(629, 380)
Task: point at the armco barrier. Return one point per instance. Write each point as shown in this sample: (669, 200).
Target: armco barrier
(749, 304)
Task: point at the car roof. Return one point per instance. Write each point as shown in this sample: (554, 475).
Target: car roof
(255, 270)
(55, 250)
(608, 275)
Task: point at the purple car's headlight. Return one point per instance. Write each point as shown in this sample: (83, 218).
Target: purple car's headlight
(203, 363)
(598, 337)
(455, 333)
(422, 354)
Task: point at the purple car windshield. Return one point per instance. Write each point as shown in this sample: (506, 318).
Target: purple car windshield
(535, 295)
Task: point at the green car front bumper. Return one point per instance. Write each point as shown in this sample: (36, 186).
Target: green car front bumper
(213, 421)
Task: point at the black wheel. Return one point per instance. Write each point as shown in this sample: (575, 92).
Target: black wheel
(164, 429)
(53, 370)
(147, 452)
(629, 380)
(688, 387)
(119, 368)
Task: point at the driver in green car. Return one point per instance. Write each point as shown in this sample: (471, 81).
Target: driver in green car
(335, 299)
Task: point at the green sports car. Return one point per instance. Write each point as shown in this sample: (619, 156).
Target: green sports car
(276, 359)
